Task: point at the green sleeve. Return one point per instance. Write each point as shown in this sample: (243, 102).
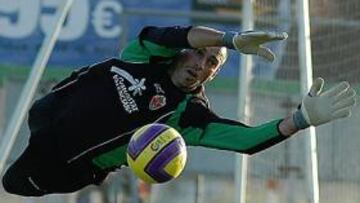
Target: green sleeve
(237, 138)
(112, 159)
(199, 126)
(142, 53)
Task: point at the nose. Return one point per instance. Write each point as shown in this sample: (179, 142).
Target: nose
(199, 65)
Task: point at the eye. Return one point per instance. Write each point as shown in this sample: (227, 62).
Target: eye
(213, 61)
(200, 52)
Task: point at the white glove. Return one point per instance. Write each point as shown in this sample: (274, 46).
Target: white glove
(250, 42)
(321, 107)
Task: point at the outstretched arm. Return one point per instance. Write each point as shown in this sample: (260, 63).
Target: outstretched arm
(201, 127)
(249, 42)
(168, 41)
(200, 36)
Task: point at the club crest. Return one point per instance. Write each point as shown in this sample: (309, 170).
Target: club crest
(157, 102)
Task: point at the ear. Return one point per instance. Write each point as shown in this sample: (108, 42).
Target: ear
(209, 78)
(214, 75)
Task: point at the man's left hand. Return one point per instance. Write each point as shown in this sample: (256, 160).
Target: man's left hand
(251, 42)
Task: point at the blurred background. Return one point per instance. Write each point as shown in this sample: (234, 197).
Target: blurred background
(95, 30)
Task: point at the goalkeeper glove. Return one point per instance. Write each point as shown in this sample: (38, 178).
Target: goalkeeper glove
(321, 107)
(250, 42)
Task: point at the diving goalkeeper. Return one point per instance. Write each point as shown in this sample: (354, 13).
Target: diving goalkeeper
(80, 130)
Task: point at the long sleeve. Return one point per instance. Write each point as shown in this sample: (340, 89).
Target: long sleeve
(156, 44)
(200, 126)
(233, 136)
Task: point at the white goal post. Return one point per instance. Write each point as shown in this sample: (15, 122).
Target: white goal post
(31, 84)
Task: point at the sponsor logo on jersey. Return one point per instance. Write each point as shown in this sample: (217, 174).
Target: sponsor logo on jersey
(125, 98)
(137, 86)
(157, 102)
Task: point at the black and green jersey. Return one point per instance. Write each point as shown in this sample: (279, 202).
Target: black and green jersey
(103, 104)
(81, 129)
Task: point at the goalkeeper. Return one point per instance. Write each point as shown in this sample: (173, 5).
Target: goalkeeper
(80, 130)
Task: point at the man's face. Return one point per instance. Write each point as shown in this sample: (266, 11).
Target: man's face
(197, 66)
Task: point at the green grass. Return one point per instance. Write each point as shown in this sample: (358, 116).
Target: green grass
(280, 86)
(21, 72)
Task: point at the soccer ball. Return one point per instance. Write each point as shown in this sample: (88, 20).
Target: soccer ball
(156, 153)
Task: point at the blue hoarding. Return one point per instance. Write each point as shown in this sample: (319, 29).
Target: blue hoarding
(94, 30)
(91, 31)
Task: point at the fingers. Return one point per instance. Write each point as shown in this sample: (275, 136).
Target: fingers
(342, 113)
(316, 87)
(341, 87)
(264, 37)
(277, 36)
(345, 100)
(266, 53)
(349, 93)
(250, 43)
(345, 103)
